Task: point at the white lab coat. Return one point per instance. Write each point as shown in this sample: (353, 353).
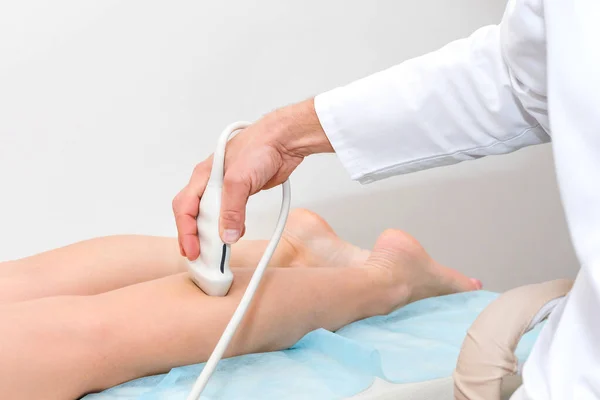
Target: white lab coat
(533, 78)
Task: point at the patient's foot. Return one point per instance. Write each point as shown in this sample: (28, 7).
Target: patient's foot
(399, 262)
(315, 244)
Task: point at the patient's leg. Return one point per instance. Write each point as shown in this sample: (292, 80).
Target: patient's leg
(108, 263)
(307, 241)
(89, 267)
(62, 347)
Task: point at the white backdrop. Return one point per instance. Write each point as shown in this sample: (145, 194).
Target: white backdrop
(106, 106)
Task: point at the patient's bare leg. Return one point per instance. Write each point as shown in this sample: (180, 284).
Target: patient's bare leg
(63, 347)
(89, 267)
(108, 263)
(307, 241)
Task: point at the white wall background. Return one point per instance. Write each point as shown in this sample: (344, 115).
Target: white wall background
(106, 106)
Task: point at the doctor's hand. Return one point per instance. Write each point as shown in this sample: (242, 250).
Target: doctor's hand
(259, 157)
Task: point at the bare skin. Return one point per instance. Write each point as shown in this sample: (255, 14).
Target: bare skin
(260, 157)
(103, 264)
(89, 334)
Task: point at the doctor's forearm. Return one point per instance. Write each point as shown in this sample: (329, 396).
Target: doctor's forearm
(298, 129)
(455, 104)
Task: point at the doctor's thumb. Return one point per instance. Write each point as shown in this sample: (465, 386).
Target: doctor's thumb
(233, 210)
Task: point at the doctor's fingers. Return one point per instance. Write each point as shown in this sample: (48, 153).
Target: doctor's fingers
(185, 209)
(246, 176)
(261, 167)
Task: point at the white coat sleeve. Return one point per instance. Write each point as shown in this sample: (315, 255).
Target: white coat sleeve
(458, 103)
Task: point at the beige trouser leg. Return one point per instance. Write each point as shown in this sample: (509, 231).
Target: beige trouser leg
(487, 354)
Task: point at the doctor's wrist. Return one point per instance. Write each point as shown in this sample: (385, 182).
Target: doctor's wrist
(298, 130)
